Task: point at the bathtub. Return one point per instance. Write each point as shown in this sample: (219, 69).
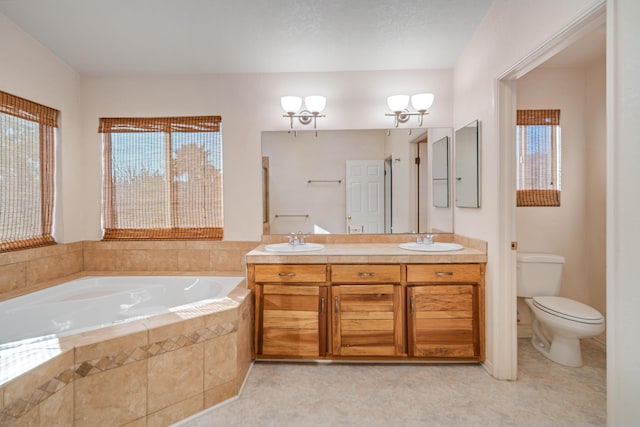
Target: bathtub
(158, 349)
(96, 302)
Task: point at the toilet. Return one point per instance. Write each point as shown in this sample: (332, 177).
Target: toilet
(558, 323)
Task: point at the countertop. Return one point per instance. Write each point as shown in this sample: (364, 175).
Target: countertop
(385, 253)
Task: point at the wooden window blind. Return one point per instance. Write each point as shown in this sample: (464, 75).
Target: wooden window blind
(27, 133)
(538, 151)
(162, 178)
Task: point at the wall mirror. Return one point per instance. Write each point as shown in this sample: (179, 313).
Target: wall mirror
(440, 172)
(467, 170)
(354, 181)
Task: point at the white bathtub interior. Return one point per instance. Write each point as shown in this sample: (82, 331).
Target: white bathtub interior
(93, 302)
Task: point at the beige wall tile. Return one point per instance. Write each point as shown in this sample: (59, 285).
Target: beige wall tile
(72, 263)
(13, 276)
(220, 393)
(23, 386)
(57, 410)
(102, 342)
(176, 412)
(220, 360)
(113, 397)
(140, 422)
(30, 419)
(175, 376)
(174, 329)
(194, 260)
(43, 269)
(148, 260)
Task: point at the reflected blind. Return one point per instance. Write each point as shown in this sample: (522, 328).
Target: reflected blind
(538, 151)
(162, 178)
(27, 132)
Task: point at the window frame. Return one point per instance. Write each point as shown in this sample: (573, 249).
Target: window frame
(542, 194)
(19, 236)
(167, 126)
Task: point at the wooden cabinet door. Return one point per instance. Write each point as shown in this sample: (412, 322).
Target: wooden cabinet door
(292, 320)
(442, 321)
(367, 320)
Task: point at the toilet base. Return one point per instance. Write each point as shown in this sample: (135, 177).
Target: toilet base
(562, 350)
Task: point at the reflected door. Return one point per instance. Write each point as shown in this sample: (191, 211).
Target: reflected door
(365, 196)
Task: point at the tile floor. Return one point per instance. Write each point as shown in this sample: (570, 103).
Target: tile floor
(309, 394)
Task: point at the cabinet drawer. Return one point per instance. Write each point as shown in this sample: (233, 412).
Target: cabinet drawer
(289, 273)
(365, 273)
(444, 273)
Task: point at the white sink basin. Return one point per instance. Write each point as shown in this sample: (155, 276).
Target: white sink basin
(433, 247)
(286, 247)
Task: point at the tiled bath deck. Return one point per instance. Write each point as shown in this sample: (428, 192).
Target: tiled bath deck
(546, 394)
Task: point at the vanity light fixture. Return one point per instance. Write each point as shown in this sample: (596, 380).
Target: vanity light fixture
(399, 103)
(314, 105)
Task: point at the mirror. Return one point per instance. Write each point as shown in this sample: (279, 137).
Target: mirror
(352, 182)
(440, 172)
(467, 166)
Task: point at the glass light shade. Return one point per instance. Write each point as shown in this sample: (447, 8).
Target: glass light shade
(291, 104)
(398, 103)
(422, 101)
(315, 103)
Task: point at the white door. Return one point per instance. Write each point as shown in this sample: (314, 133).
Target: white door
(365, 196)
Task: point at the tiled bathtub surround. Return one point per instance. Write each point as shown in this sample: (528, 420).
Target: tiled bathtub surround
(39, 267)
(149, 372)
(32, 269)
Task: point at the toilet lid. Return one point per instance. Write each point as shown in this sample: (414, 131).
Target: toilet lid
(568, 309)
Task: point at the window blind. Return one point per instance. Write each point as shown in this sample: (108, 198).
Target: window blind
(162, 178)
(538, 148)
(27, 132)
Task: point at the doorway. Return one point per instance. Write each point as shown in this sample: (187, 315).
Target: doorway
(506, 96)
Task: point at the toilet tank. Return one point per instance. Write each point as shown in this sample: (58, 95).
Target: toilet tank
(539, 274)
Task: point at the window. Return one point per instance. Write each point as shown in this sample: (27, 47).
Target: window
(162, 178)
(27, 132)
(538, 151)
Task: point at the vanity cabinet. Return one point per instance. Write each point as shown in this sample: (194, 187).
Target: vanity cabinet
(367, 310)
(401, 311)
(445, 311)
(291, 310)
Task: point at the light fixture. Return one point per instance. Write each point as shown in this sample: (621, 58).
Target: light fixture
(399, 103)
(314, 105)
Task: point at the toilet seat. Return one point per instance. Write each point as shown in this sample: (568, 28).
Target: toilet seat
(568, 309)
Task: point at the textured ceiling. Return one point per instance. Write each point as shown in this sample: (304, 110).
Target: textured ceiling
(249, 36)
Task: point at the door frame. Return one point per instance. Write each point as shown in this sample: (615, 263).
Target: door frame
(505, 331)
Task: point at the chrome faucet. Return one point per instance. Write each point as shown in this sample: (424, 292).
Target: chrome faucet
(428, 239)
(301, 236)
(296, 239)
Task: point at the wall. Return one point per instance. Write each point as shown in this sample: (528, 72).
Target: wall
(623, 205)
(248, 104)
(30, 71)
(509, 32)
(576, 229)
